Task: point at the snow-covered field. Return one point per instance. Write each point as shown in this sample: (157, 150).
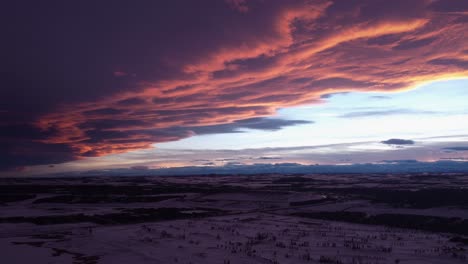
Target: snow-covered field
(247, 238)
(253, 220)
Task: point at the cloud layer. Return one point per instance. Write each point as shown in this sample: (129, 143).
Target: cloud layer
(398, 141)
(91, 79)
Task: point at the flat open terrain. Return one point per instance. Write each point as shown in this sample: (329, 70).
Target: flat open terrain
(236, 219)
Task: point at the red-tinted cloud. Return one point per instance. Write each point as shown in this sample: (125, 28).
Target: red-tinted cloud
(233, 61)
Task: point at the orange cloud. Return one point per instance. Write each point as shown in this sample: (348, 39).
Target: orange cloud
(310, 51)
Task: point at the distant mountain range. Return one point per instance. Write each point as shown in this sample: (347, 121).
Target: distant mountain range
(386, 167)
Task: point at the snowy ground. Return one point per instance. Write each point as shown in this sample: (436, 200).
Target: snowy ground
(247, 238)
(255, 225)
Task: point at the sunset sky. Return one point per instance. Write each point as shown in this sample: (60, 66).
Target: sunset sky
(148, 84)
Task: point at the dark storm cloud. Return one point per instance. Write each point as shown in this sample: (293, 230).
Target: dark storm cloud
(104, 112)
(86, 78)
(302, 80)
(235, 95)
(462, 148)
(258, 123)
(398, 141)
(20, 146)
(330, 95)
(103, 124)
(359, 114)
(339, 83)
(19, 154)
(412, 44)
(132, 101)
(109, 135)
(264, 123)
(450, 62)
(449, 6)
(385, 39)
(268, 158)
(60, 52)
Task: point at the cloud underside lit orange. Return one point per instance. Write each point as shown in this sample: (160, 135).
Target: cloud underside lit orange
(309, 51)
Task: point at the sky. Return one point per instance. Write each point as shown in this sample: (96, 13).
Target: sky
(89, 85)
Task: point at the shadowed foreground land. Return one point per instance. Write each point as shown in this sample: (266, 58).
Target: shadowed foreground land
(236, 219)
